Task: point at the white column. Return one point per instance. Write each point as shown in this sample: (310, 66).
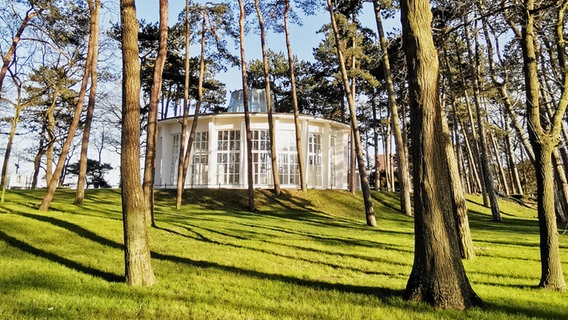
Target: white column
(326, 159)
(212, 156)
(304, 133)
(243, 173)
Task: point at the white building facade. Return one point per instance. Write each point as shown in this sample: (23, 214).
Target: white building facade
(218, 156)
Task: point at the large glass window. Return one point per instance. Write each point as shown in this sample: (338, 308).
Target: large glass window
(228, 156)
(288, 159)
(175, 157)
(200, 159)
(262, 165)
(314, 159)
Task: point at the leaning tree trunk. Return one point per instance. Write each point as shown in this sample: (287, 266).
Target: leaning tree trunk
(488, 181)
(275, 176)
(500, 167)
(9, 55)
(152, 131)
(438, 276)
(458, 198)
(376, 143)
(457, 193)
(51, 139)
(366, 190)
(138, 266)
(39, 154)
(94, 8)
(15, 120)
(518, 187)
(299, 148)
(182, 175)
(54, 181)
(402, 172)
(543, 143)
(180, 181)
(250, 180)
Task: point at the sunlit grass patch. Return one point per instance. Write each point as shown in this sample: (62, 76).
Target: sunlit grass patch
(302, 255)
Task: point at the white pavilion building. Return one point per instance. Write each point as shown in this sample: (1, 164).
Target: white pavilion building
(218, 155)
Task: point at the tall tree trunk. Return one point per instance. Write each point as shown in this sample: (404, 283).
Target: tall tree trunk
(94, 9)
(51, 140)
(388, 158)
(438, 276)
(476, 157)
(561, 186)
(274, 162)
(376, 143)
(138, 264)
(19, 107)
(558, 165)
(54, 181)
(250, 180)
(459, 201)
(484, 154)
(39, 154)
(543, 143)
(501, 85)
(299, 148)
(182, 175)
(352, 164)
(518, 187)
(403, 174)
(152, 131)
(369, 211)
(185, 122)
(502, 174)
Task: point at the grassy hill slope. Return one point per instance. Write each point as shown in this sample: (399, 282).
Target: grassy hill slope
(299, 256)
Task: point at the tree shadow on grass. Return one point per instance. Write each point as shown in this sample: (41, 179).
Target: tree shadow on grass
(387, 295)
(383, 293)
(516, 225)
(296, 257)
(108, 276)
(80, 231)
(550, 312)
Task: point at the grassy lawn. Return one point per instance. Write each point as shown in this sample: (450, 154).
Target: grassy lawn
(300, 256)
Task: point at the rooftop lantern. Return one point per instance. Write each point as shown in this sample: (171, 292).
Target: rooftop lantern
(256, 101)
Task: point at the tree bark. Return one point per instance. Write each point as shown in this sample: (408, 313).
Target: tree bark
(511, 159)
(376, 143)
(402, 172)
(365, 189)
(543, 143)
(19, 107)
(274, 162)
(502, 174)
(94, 9)
(438, 276)
(459, 201)
(51, 139)
(301, 164)
(152, 131)
(250, 180)
(180, 181)
(138, 266)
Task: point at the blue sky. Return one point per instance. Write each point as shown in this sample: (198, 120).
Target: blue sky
(303, 38)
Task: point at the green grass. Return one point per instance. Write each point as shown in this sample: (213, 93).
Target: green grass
(300, 256)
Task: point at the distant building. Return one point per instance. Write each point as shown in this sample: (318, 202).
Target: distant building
(19, 181)
(218, 156)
